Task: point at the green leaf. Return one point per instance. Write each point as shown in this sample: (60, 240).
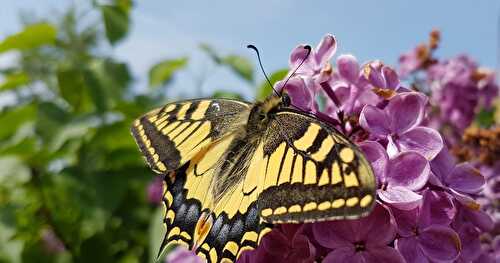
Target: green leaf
(106, 82)
(161, 73)
(210, 51)
(116, 21)
(13, 118)
(74, 130)
(264, 89)
(241, 66)
(10, 247)
(221, 94)
(13, 172)
(32, 36)
(486, 118)
(71, 86)
(156, 234)
(96, 90)
(14, 80)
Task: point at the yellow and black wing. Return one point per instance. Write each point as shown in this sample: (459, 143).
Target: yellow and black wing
(217, 230)
(312, 172)
(184, 141)
(170, 136)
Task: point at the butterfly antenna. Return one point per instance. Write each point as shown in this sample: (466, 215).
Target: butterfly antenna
(262, 68)
(306, 47)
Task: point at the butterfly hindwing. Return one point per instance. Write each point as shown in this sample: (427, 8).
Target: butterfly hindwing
(170, 136)
(234, 219)
(312, 172)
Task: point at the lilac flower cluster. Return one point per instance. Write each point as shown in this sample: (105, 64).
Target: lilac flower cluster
(429, 205)
(426, 208)
(458, 87)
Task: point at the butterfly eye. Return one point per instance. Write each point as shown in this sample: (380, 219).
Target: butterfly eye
(285, 100)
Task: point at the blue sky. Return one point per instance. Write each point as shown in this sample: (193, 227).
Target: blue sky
(368, 29)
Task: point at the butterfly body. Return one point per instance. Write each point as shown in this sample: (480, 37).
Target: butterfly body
(233, 167)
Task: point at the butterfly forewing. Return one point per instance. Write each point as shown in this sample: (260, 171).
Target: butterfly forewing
(312, 173)
(170, 136)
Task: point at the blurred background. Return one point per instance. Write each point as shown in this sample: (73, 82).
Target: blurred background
(74, 74)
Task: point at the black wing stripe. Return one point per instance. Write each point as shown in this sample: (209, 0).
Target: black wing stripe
(164, 147)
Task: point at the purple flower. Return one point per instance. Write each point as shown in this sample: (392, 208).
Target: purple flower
(414, 60)
(51, 241)
(450, 80)
(398, 123)
(471, 212)
(471, 245)
(155, 190)
(398, 177)
(492, 189)
(363, 240)
(301, 92)
(348, 91)
(348, 69)
(461, 178)
(317, 65)
(381, 77)
(285, 243)
(425, 235)
(181, 255)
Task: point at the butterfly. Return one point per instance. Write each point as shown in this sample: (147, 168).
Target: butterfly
(232, 169)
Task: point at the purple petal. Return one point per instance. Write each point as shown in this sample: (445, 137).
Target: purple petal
(392, 146)
(276, 243)
(374, 120)
(155, 190)
(341, 94)
(291, 230)
(344, 254)
(377, 157)
(181, 255)
(409, 62)
(391, 77)
(423, 140)
(440, 243)
(406, 221)
(465, 200)
(379, 227)
(297, 56)
(302, 249)
(384, 254)
(434, 180)
(374, 76)
(301, 96)
(248, 256)
(465, 178)
(437, 208)
(471, 246)
(334, 234)
(485, 257)
(325, 49)
(477, 217)
(400, 197)
(410, 249)
(408, 169)
(406, 111)
(348, 67)
(443, 164)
